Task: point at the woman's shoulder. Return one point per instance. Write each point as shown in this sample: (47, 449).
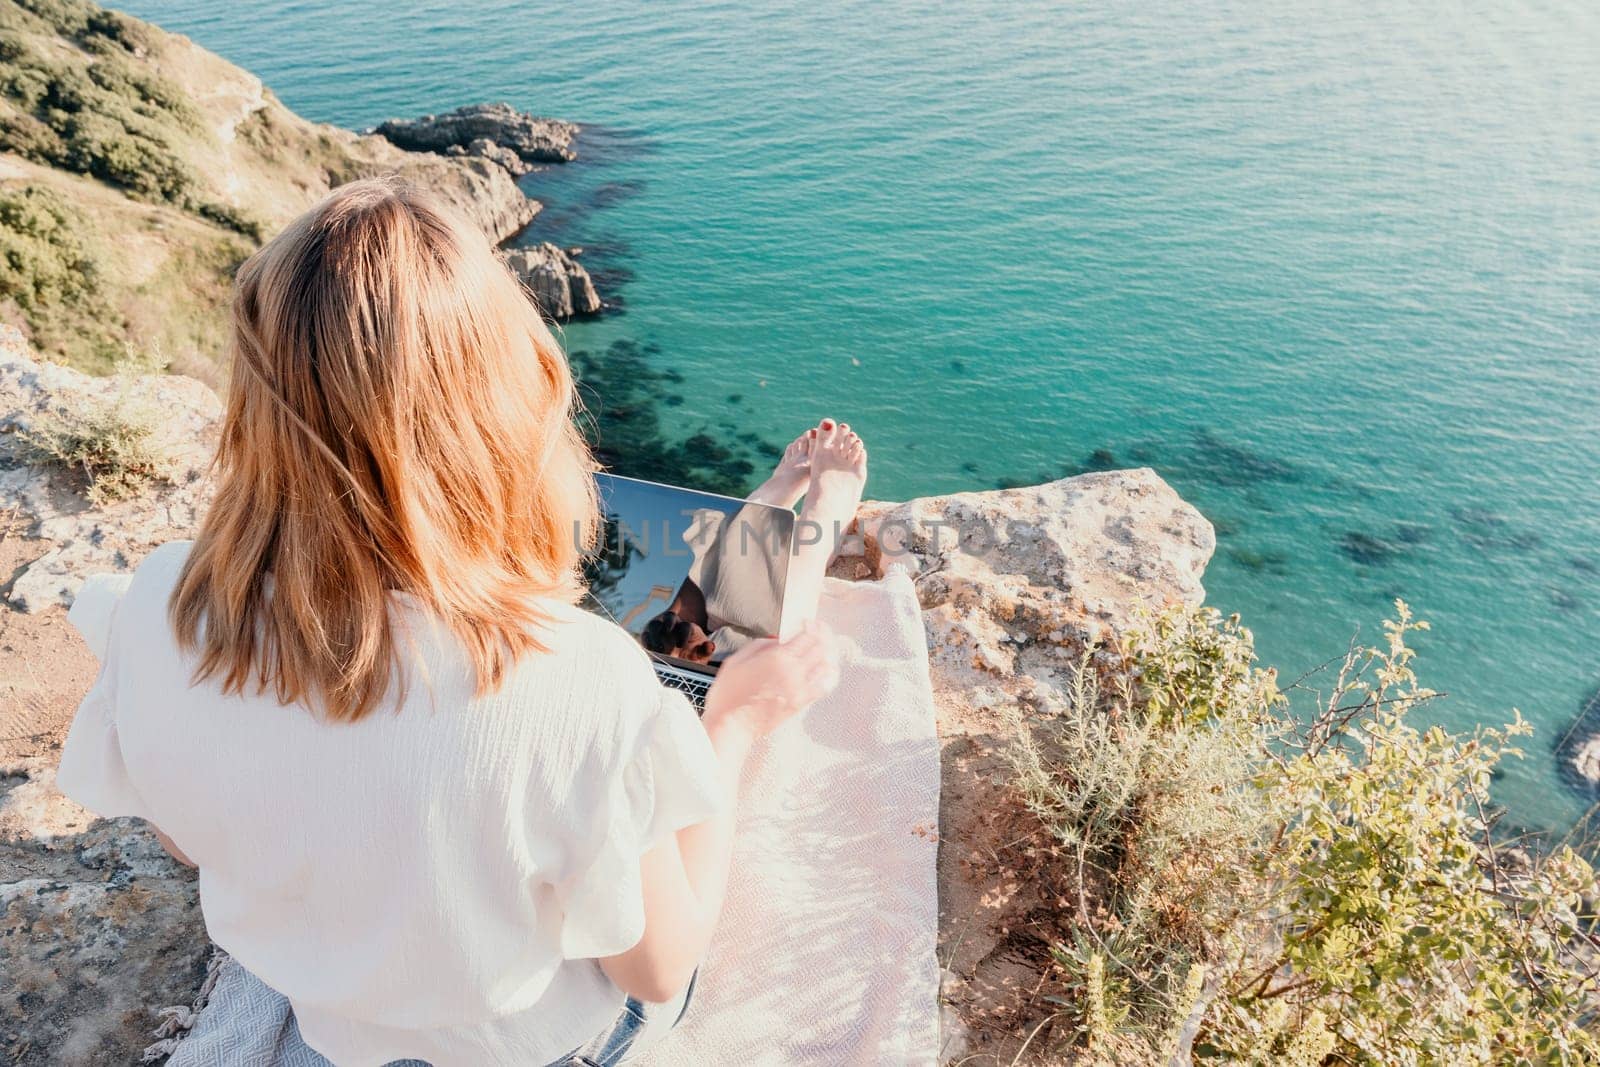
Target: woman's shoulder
(155, 577)
(125, 602)
(596, 640)
(604, 662)
(167, 559)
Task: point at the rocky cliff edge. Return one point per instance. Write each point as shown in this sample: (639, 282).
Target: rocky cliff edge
(100, 929)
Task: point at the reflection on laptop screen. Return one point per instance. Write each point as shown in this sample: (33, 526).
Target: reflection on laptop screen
(693, 576)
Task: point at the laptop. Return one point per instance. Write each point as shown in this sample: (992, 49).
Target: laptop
(692, 576)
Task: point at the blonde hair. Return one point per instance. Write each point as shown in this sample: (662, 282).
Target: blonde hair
(399, 418)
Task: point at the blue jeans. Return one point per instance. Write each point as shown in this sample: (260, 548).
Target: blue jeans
(638, 1026)
(249, 1024)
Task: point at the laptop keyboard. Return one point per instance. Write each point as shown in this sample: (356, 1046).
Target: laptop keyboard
(693, 687)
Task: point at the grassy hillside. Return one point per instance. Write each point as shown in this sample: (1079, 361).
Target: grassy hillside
(137, 170)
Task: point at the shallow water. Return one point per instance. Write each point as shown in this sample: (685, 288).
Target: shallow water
(1334, 272)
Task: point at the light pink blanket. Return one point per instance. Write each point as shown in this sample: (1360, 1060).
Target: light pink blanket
(825, 952)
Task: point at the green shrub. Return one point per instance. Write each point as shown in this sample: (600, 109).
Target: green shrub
(1320, 889)
(103, 30)
(43, 256)
(28, 137)
(105, 115)
(90, 25)
(149, 95)
(50, 279)
(113, 443)
(235, 219)
(117, 150)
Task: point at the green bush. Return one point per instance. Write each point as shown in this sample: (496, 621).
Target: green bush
(1320, 888)
(43, 255)
(118, 151)
(90, 25)
(235, 219)
(153, 97)
(50, 280)
(105, 116)
(29, 138)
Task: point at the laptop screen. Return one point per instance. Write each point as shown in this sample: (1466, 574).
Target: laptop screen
(694, 576)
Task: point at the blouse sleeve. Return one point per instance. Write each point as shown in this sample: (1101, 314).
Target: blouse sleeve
(92, 771)
(671, 780)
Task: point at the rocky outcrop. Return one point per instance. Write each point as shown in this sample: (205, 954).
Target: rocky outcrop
(531, 138)
(558, 282)
(1586, 761)
(270, 163)
(153, 267)
(1577, 750)
(1016, 586)
(98, 926)
(480, 190)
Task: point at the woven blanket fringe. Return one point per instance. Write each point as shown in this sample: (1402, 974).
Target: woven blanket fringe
(177, 1021)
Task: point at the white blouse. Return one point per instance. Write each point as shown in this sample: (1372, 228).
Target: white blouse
(434, 881)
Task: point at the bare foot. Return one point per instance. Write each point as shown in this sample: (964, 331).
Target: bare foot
(838, 475)
(790, 477)
(838, 463)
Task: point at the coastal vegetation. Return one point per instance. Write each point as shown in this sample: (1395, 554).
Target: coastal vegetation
(1270, 883)
(89, 109)
(48, 269)
(112, 231)
(113, 443)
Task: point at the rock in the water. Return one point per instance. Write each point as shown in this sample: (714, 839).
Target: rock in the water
(532, 139)
(484, 148)
(48, 503)
(1586, 760)
(558, 282)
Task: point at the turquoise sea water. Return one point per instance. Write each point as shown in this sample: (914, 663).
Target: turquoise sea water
(1332, 269)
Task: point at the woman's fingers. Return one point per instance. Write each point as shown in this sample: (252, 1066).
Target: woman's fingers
(813, 635)
(819, 654)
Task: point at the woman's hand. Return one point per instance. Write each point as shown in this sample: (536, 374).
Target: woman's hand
(767, 682)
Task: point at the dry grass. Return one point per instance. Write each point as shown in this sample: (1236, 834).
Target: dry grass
(114, 443)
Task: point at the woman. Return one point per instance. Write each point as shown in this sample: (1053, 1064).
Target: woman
(449, 815)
